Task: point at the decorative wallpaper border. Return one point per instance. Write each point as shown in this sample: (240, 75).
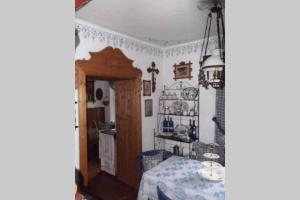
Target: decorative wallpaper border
(117, 40)
(191, 47)
(121, 41)
(164, 43)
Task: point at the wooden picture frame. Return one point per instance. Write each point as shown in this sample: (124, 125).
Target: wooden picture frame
(146, 88)
(182, 70)
(148, 107)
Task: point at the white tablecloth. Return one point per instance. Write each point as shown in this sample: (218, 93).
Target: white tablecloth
(178, 179)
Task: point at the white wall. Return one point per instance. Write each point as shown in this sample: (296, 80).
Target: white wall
(94, 39)
(141, 53)
(207, 97)
(99, 103)
(76, 132)
(191, 52)
(112, 106)
(104, 86)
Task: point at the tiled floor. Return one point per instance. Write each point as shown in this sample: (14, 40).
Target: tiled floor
(106, 187)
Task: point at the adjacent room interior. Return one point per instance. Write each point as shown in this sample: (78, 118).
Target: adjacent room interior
(149, 99)
(101, 126)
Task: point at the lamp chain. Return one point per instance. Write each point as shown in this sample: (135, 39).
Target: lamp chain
(204, 40)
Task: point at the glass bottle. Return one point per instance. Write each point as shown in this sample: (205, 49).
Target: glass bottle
(194, 136)
(171, 125)
(165, 125)
(168, 125)
(190, 129)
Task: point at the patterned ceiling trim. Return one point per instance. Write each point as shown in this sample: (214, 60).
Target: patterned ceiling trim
(165, 43)
(122, 41)
(117, 40)
(192, 47)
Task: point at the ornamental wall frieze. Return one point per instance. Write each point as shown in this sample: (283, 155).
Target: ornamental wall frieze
(117, 40)
(121, 41)
(190, 48)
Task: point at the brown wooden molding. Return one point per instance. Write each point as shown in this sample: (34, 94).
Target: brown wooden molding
(113, 59)
(112, 64)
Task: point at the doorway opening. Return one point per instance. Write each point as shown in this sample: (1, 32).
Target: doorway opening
(101, 126)
(111, 64)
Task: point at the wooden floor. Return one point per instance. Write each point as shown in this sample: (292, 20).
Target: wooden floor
(106, 187)
(94, 167)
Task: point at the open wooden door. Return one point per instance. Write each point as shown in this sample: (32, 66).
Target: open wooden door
(112, 64)
(128, 117)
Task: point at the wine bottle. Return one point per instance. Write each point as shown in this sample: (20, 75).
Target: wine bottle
(171, 125)
(168, 124)
(194, 135)
(165, 125)
(190, 129)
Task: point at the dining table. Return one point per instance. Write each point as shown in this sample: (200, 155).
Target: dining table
(179, 179)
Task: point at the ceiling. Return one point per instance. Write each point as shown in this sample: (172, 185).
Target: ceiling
(160, 22)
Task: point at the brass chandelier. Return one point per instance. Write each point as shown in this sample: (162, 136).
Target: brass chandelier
(212, 67)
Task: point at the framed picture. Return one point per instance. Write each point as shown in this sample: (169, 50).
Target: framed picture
(148, 107)
(146, 88)
(182, 70)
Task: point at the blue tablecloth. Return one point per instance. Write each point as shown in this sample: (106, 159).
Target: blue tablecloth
(178, 178)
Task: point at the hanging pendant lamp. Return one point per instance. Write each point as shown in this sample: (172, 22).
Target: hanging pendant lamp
(212, 67)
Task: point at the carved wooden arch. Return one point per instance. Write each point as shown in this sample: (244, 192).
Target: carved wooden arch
(119, 65)
(109, 64)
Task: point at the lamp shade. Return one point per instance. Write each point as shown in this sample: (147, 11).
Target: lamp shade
(214, 61)
(212, 69)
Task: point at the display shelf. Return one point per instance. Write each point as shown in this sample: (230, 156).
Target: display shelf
(176, 100)
(179, 115)
(174, 138)
(181, 97)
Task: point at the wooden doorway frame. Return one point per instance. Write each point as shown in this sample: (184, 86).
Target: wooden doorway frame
(107, 64)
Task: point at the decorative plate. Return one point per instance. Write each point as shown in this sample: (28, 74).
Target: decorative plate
(211, 155)
(189, 93)
(99, 93)
(179, 107)
(211, 164)
(181, 129)
(210, 174)
(166, 134)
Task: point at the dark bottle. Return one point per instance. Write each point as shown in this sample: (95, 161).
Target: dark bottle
(168, 124)
(190, 129)
(165, 125)
(194, 133)
(171, 125)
